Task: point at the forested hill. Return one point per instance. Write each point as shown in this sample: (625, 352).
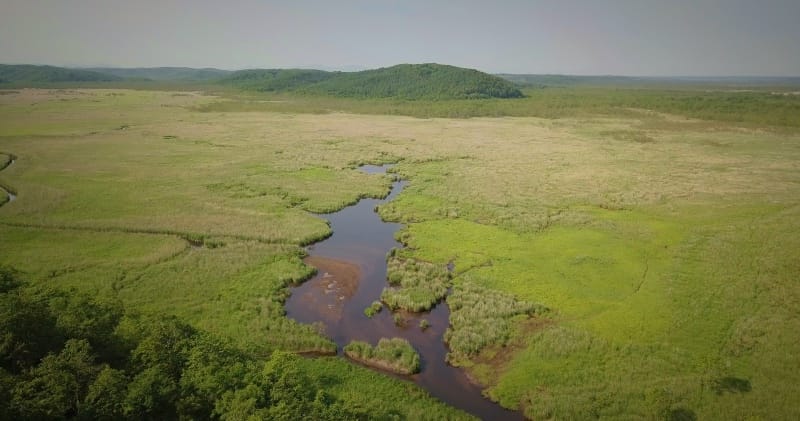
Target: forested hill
(406, 81)
(276, 80)
(412, 81)
(31, 74)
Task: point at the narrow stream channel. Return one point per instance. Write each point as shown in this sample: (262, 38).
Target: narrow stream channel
(11, 196)
(351, 274)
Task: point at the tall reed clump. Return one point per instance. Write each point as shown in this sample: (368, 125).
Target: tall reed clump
(415, 285)
(396, 355)
(481, 317)
(373, 309)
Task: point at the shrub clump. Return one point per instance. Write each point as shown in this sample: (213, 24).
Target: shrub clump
(415, 285)
(424, 324)
(396, 355)
(373, 309)
(480, 317)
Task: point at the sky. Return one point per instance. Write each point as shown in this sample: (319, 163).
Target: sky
(580, 37)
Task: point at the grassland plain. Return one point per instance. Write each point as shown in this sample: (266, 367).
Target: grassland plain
(664, 246)
(777, 107)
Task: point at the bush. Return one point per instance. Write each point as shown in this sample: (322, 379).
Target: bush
(396, 355)
(373, 309)
(415, 285)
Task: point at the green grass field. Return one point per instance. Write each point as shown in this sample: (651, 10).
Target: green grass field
(661, 236)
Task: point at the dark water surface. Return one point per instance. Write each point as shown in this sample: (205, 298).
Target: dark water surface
(361, 239)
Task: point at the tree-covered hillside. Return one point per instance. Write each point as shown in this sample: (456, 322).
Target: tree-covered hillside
(406, 81)
(270, 80)
(26, 74)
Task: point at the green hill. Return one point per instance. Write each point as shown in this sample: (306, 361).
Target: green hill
(276, 79)
(406, 81)
(418, 81)
(164, 73)
(31, 74)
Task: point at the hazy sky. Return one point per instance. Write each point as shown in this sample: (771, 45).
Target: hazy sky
(624, 37)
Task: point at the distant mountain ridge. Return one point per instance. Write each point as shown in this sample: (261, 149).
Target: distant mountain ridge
(163, 73)
(28, 73)
(403, 81)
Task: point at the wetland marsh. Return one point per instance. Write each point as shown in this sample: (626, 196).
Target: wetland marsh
(662, 245)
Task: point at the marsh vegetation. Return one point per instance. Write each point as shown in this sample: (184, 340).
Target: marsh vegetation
(414, 285)
(480, 317)
(395, 354)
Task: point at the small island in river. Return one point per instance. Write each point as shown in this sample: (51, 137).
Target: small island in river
(395, 355)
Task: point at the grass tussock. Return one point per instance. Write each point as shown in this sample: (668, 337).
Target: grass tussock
(415, 285)
(481, 317)
(396, 355)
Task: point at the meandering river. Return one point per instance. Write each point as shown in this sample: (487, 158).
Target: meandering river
(351, 274)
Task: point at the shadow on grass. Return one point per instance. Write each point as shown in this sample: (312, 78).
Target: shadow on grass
(731, 385)
(681, 414)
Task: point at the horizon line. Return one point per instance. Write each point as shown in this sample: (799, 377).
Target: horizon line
(364, 68)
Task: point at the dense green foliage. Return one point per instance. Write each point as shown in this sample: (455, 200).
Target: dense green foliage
(21, 74)
(415, 285)
(405, 81)
(395, 354)
(480, 317)
(70, 356)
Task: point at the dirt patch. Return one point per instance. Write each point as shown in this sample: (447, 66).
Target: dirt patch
(334, 284)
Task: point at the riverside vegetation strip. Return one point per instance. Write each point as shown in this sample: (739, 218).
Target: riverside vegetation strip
(667, 265)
